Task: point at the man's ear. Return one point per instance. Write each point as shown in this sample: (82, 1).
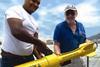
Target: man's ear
(76, 14)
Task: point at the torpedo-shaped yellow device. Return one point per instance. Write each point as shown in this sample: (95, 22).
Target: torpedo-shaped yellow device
(85, 49)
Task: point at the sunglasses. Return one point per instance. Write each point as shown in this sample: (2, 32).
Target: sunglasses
(70, 12)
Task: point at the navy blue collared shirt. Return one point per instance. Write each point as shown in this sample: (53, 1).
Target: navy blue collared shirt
(64, 35)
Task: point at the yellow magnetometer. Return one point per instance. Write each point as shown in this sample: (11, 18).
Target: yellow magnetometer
(85, 49)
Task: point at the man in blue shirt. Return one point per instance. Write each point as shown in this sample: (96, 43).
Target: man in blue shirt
(69, 34)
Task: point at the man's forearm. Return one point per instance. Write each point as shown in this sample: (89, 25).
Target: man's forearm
(20, 33)
(23, 35)
(57, 49)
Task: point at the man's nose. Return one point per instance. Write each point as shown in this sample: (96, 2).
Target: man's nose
(70, 15)
(36, 5)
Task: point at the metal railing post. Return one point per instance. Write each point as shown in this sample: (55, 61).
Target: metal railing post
(87, 61)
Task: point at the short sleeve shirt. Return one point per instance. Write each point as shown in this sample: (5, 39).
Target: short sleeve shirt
(11, 44)
(64, 35)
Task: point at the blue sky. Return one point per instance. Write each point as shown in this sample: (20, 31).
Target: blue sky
(50, 14)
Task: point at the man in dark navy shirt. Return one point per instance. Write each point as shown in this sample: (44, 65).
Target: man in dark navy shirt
(69, 34)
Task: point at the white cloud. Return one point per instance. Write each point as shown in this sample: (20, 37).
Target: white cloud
(17, 1)
(54, 10)
(87, 13)
(91, 1)
(42, 13)
(45, 12)
(58, 9)
(3, 7)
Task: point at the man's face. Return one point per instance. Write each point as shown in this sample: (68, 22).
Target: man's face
(70, 15)
(34, 5)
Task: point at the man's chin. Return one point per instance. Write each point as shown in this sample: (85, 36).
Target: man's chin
(34, 10)
(71, 20)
